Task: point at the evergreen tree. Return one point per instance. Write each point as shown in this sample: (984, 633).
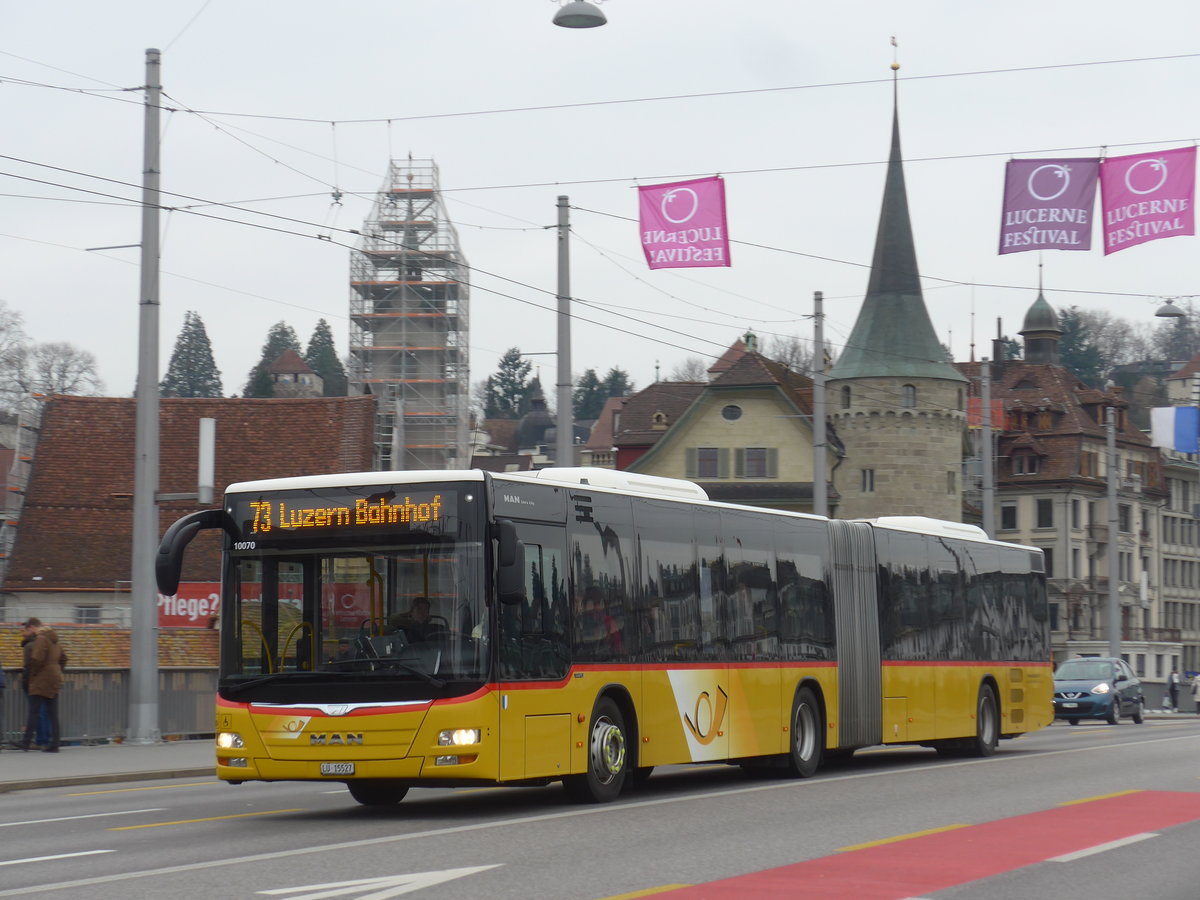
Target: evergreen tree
(617, 383)
(322, 358)
(192, 372)
(280, 337)
(589, 396)
(1077, 350)
(507, 391)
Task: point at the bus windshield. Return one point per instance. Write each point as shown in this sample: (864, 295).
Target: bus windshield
(344, 613)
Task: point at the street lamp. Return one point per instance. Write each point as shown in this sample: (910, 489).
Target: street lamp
(1170, 311)
(579, 14)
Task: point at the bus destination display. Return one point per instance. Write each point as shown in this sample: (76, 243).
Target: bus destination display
(285, 517)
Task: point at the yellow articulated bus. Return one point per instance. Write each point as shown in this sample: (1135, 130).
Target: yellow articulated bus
(392, 630)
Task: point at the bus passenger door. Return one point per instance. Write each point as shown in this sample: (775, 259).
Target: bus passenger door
(535, 719)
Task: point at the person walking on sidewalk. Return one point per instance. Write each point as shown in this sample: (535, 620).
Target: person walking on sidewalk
(45, 679)
(1173, 687)
(1196, 691)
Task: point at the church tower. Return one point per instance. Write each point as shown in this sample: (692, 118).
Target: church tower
(896, 402)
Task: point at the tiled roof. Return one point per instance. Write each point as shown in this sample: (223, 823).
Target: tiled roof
(728, 358)
(755, 370)
(1077, 419)
(289, 362)
(75, 528)
(601, 436)
(1188, 369)
(671, 398)
(96, 647)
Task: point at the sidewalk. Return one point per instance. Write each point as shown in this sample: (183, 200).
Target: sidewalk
(105, 764)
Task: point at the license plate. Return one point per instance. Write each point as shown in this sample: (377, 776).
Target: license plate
(337, 768)
(1065, 706)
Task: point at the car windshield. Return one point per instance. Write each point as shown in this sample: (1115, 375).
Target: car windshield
(1084, 670)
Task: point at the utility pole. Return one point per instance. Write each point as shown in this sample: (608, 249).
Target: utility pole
(1114, 563)
(985, 449)
(143, 648)
(564, 445)
(820, 491)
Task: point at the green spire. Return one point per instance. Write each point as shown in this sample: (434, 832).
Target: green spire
(893, 335)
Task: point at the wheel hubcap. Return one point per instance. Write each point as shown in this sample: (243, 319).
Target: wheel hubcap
(804, 731)
(607, 751)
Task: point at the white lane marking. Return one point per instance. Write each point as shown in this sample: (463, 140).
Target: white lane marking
(569, 814)
(1100, 848)
(37, 859)
(380, 888)
(124, 812)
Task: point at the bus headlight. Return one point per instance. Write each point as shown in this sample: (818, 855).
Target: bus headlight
(229, 740)
(458, 737)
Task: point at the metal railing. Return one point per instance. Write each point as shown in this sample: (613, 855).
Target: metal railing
(93, 706)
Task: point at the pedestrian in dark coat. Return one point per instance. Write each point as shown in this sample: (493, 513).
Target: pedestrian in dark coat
(44, 679)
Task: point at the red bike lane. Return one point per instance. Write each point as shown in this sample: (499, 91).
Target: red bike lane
(913, 867)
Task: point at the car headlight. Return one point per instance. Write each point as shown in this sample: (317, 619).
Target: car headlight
(1101, 689)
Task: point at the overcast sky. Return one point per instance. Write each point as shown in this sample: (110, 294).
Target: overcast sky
(281, 103)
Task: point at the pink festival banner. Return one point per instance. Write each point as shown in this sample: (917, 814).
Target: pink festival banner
(1147, 197)
(1048, 204)
(683, 224)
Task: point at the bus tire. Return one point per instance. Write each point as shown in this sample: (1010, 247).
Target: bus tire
(987, 723)
(608, 757)
(377, 793)
(807, 734)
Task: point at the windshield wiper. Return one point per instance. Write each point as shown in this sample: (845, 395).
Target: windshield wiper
(322, 674)
(393, 661)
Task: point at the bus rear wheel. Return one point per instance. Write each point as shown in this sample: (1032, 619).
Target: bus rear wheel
(808, 734)
(377, 793)
(608, 760)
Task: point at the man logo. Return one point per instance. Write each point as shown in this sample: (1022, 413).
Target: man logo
(335, 740)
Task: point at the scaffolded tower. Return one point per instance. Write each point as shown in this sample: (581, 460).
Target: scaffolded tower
(408, 315)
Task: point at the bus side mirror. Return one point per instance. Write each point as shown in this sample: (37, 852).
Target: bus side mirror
(510, 563)
(168, 562)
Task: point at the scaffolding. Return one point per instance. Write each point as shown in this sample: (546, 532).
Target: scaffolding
(408, 323)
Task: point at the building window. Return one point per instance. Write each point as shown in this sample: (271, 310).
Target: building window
(951, 481)
(1075, 521)
(960, 399)
(757, 462)
(1124, 518)
(731, 413)
(909, 393)
(1075, 563)
(87, 615)
(1025, 464)
(1089, 464)
(868, 481)
(846, 397)
(1008, 517)
(707, 462)
(1045, 513)
(1048, 553)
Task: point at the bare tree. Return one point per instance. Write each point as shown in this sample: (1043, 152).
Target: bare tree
(56, 368)
(1119, 341)
(791, 350)
(694, 368)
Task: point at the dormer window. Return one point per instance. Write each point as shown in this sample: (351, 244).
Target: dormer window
(659, 421)
(1025, 464)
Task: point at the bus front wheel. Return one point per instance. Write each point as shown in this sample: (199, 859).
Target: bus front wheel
(808, 734)
(608, 759)
(987, 723)
(376, 793)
